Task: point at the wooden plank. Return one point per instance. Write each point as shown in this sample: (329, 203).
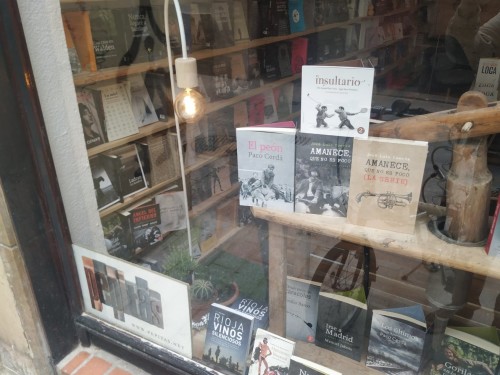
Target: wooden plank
(277, 279)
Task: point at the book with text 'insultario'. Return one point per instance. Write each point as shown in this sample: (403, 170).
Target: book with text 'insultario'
(342, 319)
(322, 174)
(301, 366)
(336, 100)
(386, 179)
(467, 350)
(301, 308)
(228, 339)
(398, 338)
(266, 164)
(270, 353)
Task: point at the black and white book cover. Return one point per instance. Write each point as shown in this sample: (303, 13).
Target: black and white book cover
(322, 174)
(228, 338)
(240, 22)
(342, 318)
(301, 308)
(222, 24)
(92, 118)
(270, 353)
(397, 339)
(266, 157)
(158, 85)
(142, 106)
(105, 192)
(336, 100)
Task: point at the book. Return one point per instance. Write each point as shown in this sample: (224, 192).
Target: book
(222, 24)
(144, 30)
(200, 186)
(319, 12)
(125, 164)
(336, 11)
(270, 112)
(266, 160)
(322, 174)
(342, 322)
(296, 16)
(254, 69)
(106, 192)
(331, 44)
(228, 338)
(108, 37)
(284, 60)
(467, 350)
(158, 85)
(302, 366)
(279, 20)
(117, 237)
(298, 54)
(397, 340)
(78, 25)
(198, 40)
(240, 22)
(92, 120)
(283, 98)
(257, 309)
(487, 77)
(301, 308)
(492, 247)
(113, 99)
(254, 27)
(216, 76)
(256, 110)
(386, 179)
(142, 106)
(240, 114)
(74, 60)
(172, 211)
(239, 77)
(270, 353)
(269, 60)
(160, 158)
(142, 221)
(329, 91)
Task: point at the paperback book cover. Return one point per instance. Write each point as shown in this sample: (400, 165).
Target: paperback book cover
(301, 308)
(142, 106)
(172, 211)
(301, 366)
(257, 309)
(342, 319)
(322, 174)
(487, 78)
(222, 24)
(92, 121)
(296, 16)
(397, 340)
(270, 353)
(492, 247)
(299, 54)
(283, 96)
(240, 22)
(105, 191)
(336, 100)
(266, 163)
(114, 100)
(228, 339)
(467, 350)
(143, 221)
(124, 163)
(386, 179)
(158, 85)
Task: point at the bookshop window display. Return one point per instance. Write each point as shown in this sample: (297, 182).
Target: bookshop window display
(334, 208)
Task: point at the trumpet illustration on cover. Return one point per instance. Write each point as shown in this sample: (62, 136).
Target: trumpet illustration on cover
(387, 200)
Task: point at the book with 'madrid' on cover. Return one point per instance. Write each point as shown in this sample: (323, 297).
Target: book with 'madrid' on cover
(266, 164)
(397, 340)
(342, 318)
(228, 339)
(467, 350)
(386, 179)
(270, 353)
(336, 100)
(301, 366)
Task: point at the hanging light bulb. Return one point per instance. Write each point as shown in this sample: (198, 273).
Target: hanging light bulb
(189, 104)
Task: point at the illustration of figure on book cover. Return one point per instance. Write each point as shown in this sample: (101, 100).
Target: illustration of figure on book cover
(344, 116)
(258, 188)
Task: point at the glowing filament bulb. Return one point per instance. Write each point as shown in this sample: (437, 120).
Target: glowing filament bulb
(190, 105)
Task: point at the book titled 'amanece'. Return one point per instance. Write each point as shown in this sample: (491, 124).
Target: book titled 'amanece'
(385, 184)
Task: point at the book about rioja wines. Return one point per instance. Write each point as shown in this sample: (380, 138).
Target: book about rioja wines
(258, 309)
(301, 308)
(270, 354)
(266, 164)
(228, 339)
(386, 179)
(467, 350)
(336, 100)
(342, 318)
(397, 340)
(301, 366)
(322, 174)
